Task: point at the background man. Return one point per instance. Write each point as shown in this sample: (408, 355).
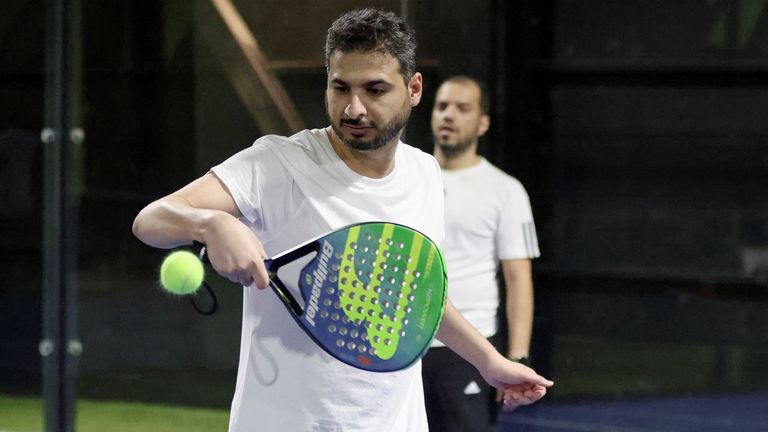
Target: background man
(488, 220)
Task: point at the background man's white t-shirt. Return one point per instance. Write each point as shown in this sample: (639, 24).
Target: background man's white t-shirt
(488, 218)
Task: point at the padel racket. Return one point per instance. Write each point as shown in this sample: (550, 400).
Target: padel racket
(373, 293)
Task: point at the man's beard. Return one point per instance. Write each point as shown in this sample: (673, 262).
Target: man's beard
(384, 135)
(452, 151)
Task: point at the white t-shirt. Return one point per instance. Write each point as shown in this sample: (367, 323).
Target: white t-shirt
(487, 218)
(291, 190)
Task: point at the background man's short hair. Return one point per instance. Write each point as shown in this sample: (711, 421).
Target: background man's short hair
(485, 99)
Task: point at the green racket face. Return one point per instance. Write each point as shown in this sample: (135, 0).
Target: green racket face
(374, 295)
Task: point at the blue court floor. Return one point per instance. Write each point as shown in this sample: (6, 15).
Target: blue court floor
(741, 412)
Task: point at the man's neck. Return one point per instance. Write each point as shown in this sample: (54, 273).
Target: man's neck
(372, 164)
(462, 160)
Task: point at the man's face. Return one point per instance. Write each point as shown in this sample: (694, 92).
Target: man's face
(367, 101)
(457, 120)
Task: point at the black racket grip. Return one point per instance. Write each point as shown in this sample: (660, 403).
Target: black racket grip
(201, 251)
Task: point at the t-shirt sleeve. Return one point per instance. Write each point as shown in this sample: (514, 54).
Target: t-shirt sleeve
(248, 174)
(439, 203)
(516, 237)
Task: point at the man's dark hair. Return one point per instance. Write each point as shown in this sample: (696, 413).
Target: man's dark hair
(367, 30)
(485, 100)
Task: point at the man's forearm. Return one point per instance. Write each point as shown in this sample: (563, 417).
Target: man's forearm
(185, 215)
(461, 337)
(171, 222)
(519, 306)
(519, 309)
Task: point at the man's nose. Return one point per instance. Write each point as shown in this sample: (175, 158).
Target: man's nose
(355, 109)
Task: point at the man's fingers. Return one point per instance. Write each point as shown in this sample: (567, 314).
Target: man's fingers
(261, 278)
(514, 400)
(530, 376)
(537, 379)
(245, 280)
(540, 380)
(258, 273)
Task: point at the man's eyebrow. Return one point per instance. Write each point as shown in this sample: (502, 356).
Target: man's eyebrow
(377, 82)
(366, 84)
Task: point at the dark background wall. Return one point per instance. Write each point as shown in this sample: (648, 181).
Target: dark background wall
(637, 128)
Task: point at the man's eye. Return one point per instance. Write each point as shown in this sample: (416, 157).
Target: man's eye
(340, 89)
(376, 91)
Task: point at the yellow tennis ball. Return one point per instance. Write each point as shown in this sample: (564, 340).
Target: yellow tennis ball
(182, 273)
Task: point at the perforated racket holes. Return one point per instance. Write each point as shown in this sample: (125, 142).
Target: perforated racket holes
(379, 284)
(351, 338)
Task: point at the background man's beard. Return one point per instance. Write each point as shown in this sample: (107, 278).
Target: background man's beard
(452, 151)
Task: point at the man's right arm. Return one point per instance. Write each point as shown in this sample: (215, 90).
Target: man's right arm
(206, 212)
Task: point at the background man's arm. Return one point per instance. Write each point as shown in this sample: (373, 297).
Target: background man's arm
(519, 305)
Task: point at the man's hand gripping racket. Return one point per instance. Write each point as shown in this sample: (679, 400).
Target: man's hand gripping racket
(373, 293)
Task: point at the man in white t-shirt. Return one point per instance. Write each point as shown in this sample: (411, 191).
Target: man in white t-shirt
(283, 191)
(488, 220)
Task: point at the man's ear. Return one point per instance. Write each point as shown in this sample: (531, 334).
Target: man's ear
(415, 88)
(485, 124)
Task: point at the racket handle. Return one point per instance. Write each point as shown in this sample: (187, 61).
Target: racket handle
(201, 251)
(275, 283)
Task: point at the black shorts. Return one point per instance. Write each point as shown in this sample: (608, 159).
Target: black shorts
(457, 397)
